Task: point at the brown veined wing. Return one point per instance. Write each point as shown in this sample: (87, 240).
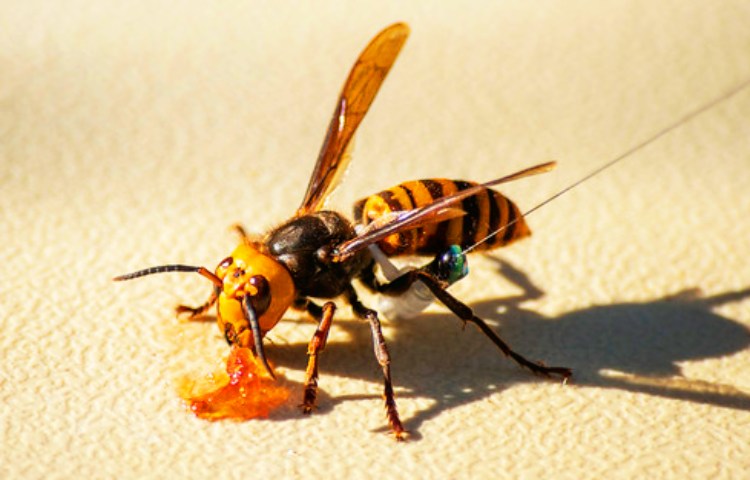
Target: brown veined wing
(355, 99)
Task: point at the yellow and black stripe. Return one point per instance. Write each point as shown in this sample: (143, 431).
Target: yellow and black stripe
(486, 212)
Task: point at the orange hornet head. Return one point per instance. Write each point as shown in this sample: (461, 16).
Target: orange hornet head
(252, 283)
(253, 292)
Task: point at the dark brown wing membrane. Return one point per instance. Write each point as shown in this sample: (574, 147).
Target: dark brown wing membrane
(419, 216)
(359, 91)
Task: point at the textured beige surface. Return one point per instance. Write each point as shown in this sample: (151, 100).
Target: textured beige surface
(135, 133)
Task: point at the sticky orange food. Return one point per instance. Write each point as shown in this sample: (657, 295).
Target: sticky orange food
(244, 393)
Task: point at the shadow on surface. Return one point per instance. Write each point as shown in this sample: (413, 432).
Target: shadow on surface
(642, 342)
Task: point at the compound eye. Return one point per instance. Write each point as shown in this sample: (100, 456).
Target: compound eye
(221, 269)
(262, 299)
(226, 262)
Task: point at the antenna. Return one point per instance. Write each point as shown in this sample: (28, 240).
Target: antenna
(669, 128)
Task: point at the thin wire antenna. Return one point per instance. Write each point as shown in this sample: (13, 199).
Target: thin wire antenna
(681, 121)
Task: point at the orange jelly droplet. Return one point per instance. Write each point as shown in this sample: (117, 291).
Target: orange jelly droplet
(247, 393)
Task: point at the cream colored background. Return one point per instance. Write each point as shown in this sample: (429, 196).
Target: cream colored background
(135, 133)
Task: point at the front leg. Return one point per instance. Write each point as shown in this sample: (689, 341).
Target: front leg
(324, 316)
(194, 312)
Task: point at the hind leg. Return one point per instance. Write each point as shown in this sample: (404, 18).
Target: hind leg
(465, 313)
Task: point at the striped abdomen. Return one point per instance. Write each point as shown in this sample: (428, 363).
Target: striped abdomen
(485, 213)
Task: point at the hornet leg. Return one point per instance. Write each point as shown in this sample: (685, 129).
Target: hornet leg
(199, 311)
(384, 359)
(324, 316)
(242, 233)
(465, 313)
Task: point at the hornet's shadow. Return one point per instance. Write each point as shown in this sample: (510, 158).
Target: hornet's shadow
(643, 342)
